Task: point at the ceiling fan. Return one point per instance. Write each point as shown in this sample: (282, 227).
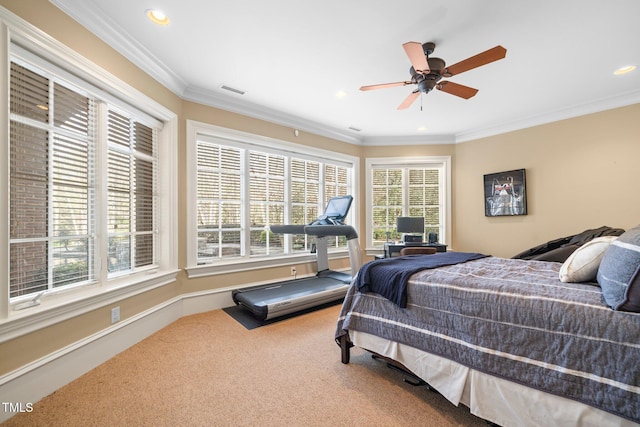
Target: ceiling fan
(428, 72)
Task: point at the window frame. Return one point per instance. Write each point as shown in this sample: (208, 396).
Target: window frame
(265, 144)
(17, 37)
(443, 163)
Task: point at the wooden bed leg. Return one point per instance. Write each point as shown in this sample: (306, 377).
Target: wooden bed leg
(345, 346)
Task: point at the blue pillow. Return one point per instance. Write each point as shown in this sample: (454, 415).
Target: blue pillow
(619, 272)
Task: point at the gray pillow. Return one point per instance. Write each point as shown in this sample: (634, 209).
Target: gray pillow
(619, 272)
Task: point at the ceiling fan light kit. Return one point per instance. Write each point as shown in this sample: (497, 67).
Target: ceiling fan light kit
(427, 72)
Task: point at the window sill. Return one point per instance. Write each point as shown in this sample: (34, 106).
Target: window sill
(239, 265)
(57, 308)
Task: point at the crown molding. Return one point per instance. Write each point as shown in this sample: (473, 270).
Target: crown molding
(577, 110)
(235, 105)
(409, 140)
(111, 33)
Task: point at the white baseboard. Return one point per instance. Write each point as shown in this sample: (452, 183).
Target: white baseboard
(202, 302)
(25, 386)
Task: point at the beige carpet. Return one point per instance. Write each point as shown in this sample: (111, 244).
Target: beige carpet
(208, 370)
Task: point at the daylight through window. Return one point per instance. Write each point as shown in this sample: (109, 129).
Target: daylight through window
(416, 190)
(243, 189)
(55, 208)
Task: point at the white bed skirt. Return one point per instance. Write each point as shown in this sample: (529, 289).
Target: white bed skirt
(503, 402)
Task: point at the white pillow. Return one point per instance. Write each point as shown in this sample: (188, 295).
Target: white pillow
(582, 265)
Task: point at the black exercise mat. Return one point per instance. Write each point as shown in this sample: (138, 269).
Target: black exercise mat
(246, 319)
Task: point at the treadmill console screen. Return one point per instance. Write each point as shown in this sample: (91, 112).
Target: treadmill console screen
(336, 211)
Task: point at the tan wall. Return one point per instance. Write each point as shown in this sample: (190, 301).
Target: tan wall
(409, 150)
(30, 347)
(581, 173)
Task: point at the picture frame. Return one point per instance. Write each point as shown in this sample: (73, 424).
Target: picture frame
(505, 193)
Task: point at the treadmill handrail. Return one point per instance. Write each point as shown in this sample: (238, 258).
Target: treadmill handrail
(331, 230)
(288, 229)
(317, 230)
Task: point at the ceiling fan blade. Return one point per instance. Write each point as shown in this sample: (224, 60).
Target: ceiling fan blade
(475, 61)
(409, 100)
(416, 55)
(456, 89)
(384, 85)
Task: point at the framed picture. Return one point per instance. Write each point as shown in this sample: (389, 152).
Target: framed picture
(505, 193)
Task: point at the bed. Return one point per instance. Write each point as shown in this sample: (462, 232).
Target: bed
(505, 337)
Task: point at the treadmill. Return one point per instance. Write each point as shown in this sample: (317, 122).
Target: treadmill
(281, 298)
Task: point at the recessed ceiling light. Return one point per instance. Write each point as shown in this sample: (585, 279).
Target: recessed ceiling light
(624, 70)
(341, 94)
(158, 17)
(423, 128)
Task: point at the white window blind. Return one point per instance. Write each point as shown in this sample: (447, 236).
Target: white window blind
(266, 201)
(243, 190)
(336, 183)
(55, 185)
(52, 224)
(387, 199)
(305, 197)
(131, 193)
(424, 197)
(219, 203)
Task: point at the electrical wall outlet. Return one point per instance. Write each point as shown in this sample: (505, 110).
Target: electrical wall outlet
(293, 271)
(115, 314)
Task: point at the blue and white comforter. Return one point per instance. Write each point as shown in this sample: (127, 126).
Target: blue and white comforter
(514, 319)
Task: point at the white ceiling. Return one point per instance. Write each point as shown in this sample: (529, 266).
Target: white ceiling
(291, 57)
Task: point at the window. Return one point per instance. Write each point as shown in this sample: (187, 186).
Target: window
(335, 184)
(219, 205)
(82, 160)
(131, 187)
(266, 202)
(305, 199)
(54, 183)
(245, 183)
(51, 148)
(407, 187)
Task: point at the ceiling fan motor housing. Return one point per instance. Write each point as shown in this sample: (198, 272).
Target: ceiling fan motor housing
(426, 85)
(436, 65)
(426, 82)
